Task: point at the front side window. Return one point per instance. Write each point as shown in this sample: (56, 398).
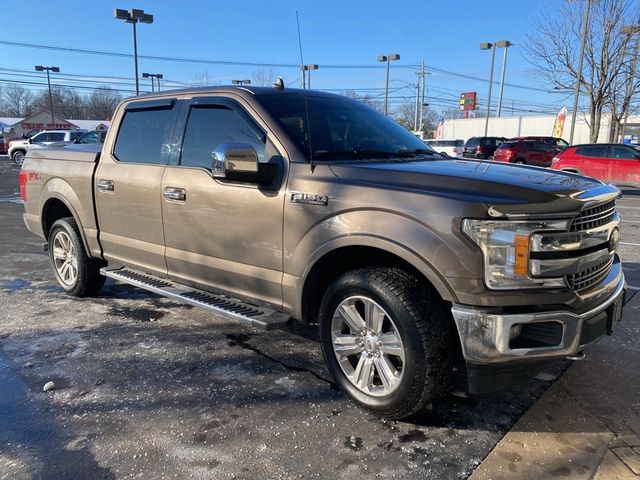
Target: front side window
(41, 137)
(75, 135)
(143, 136)
(211, 126)
(594, 151)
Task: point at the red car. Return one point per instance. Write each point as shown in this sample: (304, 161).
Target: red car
(611, 163)
(529, 152)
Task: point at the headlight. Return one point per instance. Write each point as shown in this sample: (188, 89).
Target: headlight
(505, 248)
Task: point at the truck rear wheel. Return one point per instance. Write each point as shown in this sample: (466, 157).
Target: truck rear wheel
(384, 338)
(76, 273)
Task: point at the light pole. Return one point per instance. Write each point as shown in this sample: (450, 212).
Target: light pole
(502, 44)
(574, 112)
(492, 47)
(40, 68)
(307, 68)
(630, 30)
(240, 82)
(133, 16)
(387, 58)
(157, 76)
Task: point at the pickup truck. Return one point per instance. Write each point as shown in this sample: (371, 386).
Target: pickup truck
(275, 204)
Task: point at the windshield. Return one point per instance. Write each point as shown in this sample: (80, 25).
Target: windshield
(341, 128)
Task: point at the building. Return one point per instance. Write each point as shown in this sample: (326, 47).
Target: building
(42, 121)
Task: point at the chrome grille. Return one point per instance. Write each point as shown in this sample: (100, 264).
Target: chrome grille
(587, 277)
(594, 217)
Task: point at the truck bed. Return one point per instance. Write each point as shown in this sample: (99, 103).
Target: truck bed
(69, 173)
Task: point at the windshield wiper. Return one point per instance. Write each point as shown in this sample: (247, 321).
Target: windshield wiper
(349, 154)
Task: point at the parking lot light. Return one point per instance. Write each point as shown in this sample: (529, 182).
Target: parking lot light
(492, 47)
(40, 68)
(133, 16)
(502, 44)
(157, 76)
(240, 82)
(387, 58)
(307, 68)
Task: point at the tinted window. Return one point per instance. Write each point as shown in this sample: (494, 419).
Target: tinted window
(91, 137)
(56, 137)
(41, 137)
(528, 146)
(212, 126)
(623, 153)
(592, 151)
(544, 147)
(473, 142)
(508, 145)
(144, 135)
(561, 143)
(459, 143)
(75, 135)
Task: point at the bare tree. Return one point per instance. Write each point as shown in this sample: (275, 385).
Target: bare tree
(203, 79)
(67, 102)
(366, 99)
(17, 101)
(554, 46)
(264, 76)
(101, 103)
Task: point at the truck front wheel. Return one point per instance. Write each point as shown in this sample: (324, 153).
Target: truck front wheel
(385, 340)
(76, 273)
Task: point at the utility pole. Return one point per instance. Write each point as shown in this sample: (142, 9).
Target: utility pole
(387, 59)
(40, 68)
(415, 119)
(579, 77)
(422, 100)
(630, 30)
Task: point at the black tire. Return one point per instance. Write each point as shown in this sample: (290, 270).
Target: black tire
(87, 280)
(18, 157)
(519, 161)
(422, 322)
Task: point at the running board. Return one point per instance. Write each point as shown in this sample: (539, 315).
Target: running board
(255, 315)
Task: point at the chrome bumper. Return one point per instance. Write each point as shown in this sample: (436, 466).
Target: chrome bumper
(485, 336)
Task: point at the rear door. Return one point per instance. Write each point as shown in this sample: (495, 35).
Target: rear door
(220, 234)
(624, 165)
(128, 184)
(592, 161)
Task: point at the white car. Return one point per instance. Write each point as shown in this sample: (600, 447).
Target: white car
(18, 148)
(446, 148)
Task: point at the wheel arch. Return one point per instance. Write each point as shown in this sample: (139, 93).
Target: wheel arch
(55, 208)
(343, 258)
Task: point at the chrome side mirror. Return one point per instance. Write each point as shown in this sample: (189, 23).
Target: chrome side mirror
(233, 158)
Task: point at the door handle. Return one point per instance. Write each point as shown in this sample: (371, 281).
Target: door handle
(105, 185)
(175, 194)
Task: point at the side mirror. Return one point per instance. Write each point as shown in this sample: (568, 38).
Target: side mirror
(234, 159)
(29, 140)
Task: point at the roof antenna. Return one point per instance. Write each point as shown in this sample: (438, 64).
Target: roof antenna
(304, 94)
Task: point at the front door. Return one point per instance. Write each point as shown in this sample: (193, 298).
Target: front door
(128, 186)
(625, 165)
(223, 235)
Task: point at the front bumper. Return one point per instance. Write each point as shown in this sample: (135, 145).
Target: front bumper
(488, 338)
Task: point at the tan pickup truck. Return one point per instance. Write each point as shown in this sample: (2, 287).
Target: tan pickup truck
(272, 204)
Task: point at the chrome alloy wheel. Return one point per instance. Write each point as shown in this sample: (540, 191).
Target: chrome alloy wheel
(64, 258)
(368, 346)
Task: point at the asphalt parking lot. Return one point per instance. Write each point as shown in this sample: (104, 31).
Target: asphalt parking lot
(149, 388)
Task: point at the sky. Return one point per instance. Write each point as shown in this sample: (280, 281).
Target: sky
(342, 37)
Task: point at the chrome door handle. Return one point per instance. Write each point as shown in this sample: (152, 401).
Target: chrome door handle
(105, 185)
(176, 194)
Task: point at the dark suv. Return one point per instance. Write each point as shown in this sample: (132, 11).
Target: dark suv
(482, 147)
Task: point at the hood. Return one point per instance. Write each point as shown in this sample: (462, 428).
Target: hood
(516, 188)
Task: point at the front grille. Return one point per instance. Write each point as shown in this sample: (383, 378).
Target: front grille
(589, 276)
(594, 217)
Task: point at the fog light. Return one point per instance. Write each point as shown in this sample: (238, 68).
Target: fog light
(515, 331)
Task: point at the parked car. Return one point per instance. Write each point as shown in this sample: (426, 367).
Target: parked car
(18, 148)
(610, 162)
(557, 142)
(482, 147)
(527, 152)
(94, 136)
(411, 265)
(446, 148)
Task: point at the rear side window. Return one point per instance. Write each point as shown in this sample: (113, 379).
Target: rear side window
(459, 143)
(592, 151)
(507, 145)
(473, 142)
(144, 135)
(208, 127)
(75, 135)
